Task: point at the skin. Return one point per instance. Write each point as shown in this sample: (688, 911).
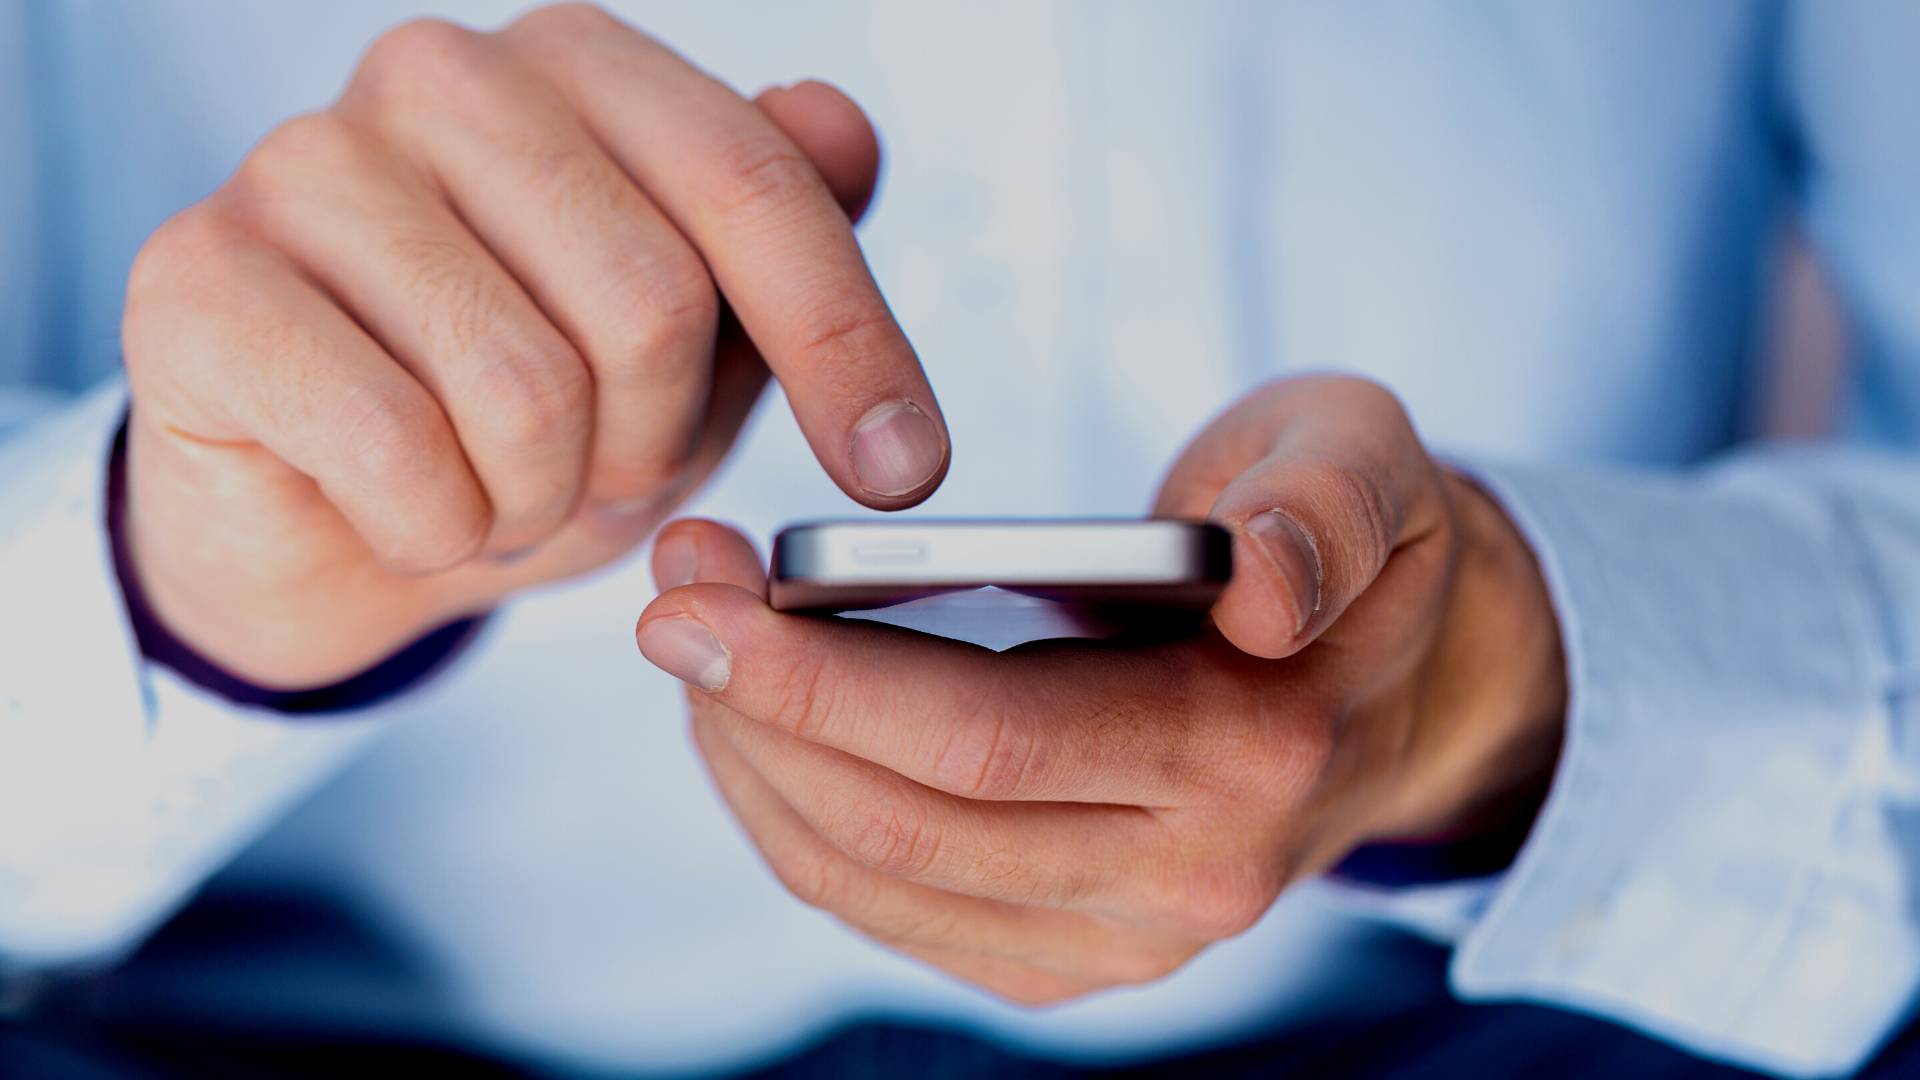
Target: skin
(480, 324)
(1072, 815)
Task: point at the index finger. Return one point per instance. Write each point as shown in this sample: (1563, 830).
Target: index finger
(1067, 721)
(778, 245)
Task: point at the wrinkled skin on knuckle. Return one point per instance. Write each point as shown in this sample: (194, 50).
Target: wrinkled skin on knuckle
(1359, 503)
(675, 316)
(889, 836)
(456, 306)
(381, 442)
(834, 334)
(805, 695)
(987, 754)
(533, 400)
(763, 176)
(379, 437)
(911, 926)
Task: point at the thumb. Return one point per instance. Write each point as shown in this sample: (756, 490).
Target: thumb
(834, 134)
(1344, 483)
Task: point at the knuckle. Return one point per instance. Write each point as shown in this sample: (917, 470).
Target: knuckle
(764, 174)
(1373, 398)
(424, 51)
(380, 435)
(914, 925)
(567, 20)
(382, 440)
(802, 700)
(430, 547)
(893, 839)
(184, 244)
(534, 400)
(676, 314)
(460, 309)
(1280, 759)
(287, 161)
(817, 879)
(1224, 899)
(993, 756)
(1360, 504)
(1300, 754)
(835, 333)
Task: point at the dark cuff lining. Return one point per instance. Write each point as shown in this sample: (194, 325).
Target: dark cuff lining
(1407, 864)
(402, 671)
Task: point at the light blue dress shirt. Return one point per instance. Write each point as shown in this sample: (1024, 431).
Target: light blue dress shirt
(1546, 226)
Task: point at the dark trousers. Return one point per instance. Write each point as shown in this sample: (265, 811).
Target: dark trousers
(138, 1023)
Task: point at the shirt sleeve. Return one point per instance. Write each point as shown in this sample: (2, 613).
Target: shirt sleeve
(1730, 850)
(1727, 854)
(122, 786)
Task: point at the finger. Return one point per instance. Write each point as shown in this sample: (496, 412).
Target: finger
(1111, 860)
(693, 549)
(1069, 721)
(779, 246)
(738, 379)
(260, 355)
(836, 136)
(398, 258)
(1321, 480)
(600, 259)
(981, 940)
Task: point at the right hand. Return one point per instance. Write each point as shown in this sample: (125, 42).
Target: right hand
(462, 332)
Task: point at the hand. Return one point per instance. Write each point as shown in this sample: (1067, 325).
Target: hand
(1070, 815)
(462, 332)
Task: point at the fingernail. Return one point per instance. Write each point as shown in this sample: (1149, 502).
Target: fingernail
(686, 650)
(896, 449)
(675, 562)
(1290, 551)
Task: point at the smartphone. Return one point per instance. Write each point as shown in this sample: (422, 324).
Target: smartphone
(1112, 565)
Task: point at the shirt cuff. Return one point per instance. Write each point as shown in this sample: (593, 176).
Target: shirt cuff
(121, 785)
(1690, 870)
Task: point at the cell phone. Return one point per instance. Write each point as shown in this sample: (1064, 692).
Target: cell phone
(1110, 565)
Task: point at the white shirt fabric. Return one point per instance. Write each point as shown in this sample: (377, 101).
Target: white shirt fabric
(1544, 227)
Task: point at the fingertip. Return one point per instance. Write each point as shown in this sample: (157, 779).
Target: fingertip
(676, 558)
(697, 550)
(900, 453)
(1270, 605)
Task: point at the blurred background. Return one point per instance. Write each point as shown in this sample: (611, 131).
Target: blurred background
(1101, 223)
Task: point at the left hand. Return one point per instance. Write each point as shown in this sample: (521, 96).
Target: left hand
(1071, 815)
